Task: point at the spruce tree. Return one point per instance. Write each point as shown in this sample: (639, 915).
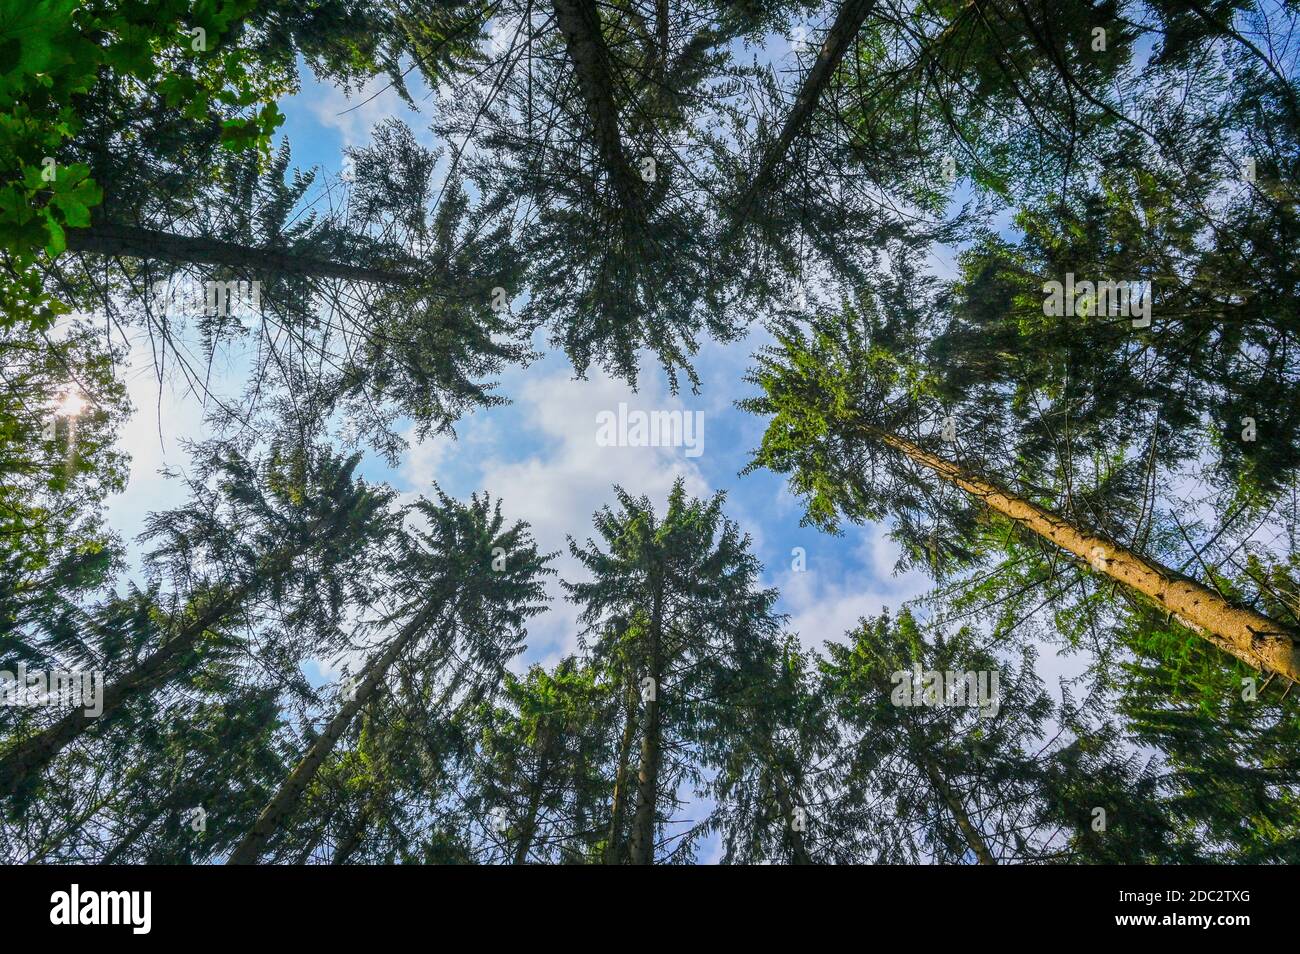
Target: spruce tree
(478, 583)
(681, 594)
(293, 532)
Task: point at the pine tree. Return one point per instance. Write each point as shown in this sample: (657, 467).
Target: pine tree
(770, 756)
(680, 593)
(296, 536)
(1227, 740)
(839, 407)
(540, 762)
(597, 123)
(927, 731)
(478, 584)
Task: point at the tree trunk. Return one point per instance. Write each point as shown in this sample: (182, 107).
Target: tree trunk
(1258, 641)
(643, 821)
(352, 840)
(613, 847)
(972, 834)
(130, 241)
(286, 799)
(662, 20)
(30, 757)
(842, 33)
(798, 849)
(528, 830)
(579, 21)
(573, 851)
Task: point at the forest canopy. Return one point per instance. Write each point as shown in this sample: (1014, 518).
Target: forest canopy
(1001, 299)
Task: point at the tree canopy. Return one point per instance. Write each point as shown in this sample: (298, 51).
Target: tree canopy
(1019, 284)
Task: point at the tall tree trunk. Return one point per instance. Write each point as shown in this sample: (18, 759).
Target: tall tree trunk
(643, 821)
(129, 241)
(30, 757)
(618, 807)
(1258, 641)
(974, 839)
(798, 849)
(528, 830)
(352, 840)
(286, 799)
(842, 33)
(579, 21)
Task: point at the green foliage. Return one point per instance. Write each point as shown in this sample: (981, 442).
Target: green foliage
(1119, 163)
(674, 608)
(56, 467)
(1228, 738)
(53, 55)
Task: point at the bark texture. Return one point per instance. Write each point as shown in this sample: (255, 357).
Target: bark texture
(1258, 641)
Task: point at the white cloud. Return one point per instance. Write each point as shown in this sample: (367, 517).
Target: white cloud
(163, 414)
(826, 601)
(353, 116)
(558, 485)
(422, 462)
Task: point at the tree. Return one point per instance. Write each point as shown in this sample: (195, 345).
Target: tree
(681, 594)
(126, 110)
(594, 123)
(295, 532)
(1057, 118)
(540, 764)
(377, 302)
(770, 756)
(479, 586)
(55, 54)
(838, 408)
(849, 19)
(942, 732)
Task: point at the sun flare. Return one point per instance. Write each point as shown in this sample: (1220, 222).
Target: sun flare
(70, 403)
